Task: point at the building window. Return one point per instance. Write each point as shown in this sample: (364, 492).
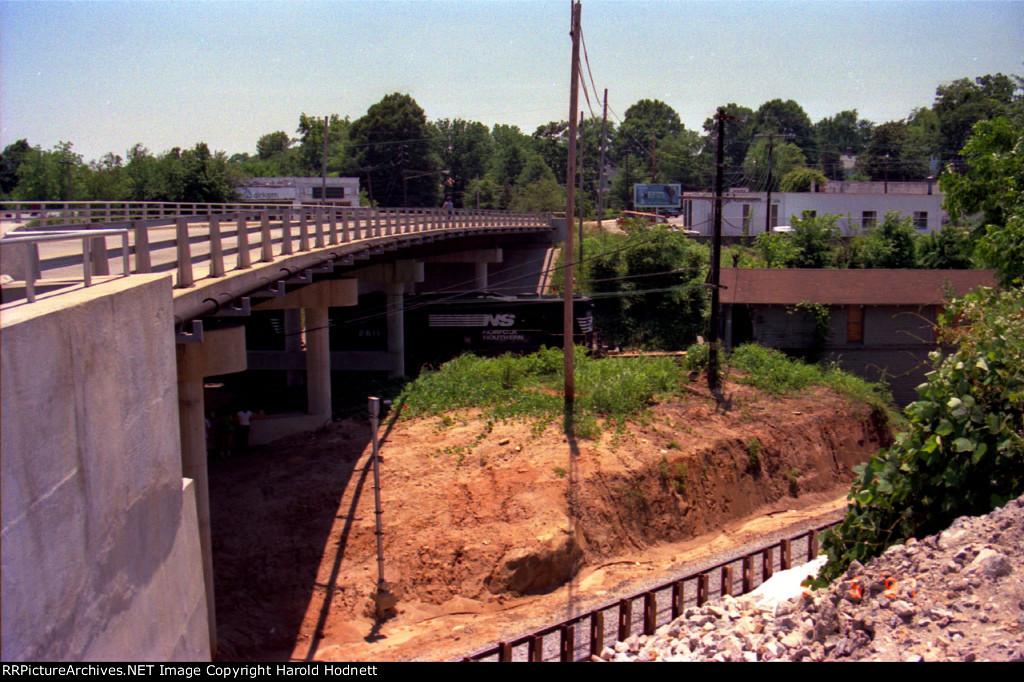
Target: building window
(746, 219)
(774, 221)
(868, 220)
(332, 192)
(855, 324)
(921, 220)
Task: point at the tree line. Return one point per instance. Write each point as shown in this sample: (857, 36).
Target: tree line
(402, 158)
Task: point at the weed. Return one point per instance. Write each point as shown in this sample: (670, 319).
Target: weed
(637, 497)
(754, 453)
(674, 474)
(674, 445)
(794, 482)
(560, 472)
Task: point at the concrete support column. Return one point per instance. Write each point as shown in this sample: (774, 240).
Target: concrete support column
(293, 341)
(191, 417)
(396, 327)
(222, 352)
(480, 275)
(318, 363)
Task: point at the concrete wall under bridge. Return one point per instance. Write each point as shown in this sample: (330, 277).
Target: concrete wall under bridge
(101, 549)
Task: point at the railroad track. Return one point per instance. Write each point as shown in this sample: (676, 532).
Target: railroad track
(735, 573)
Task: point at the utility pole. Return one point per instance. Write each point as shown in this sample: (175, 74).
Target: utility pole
(402, 158)
(580, 173)
(570, 203)
(323, 166)
(768, 205)
(600, 172)
(654, 157)
(716, 252)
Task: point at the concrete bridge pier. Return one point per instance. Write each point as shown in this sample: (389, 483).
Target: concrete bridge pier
(314, 301)
(222, 351)
(397, 277)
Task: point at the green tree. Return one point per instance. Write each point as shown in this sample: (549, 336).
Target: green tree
(551, 141)
(396, 148)
(883, 157)
(963, 103)
(950, 249)
(644, 125)
(922, 146)
(306, 158)
(993, 185)
(14, 154)
(834, 135)
(49, 175)
(787, 117)
(272, 144)
(891, 244)
(963, 450)
(778, 250)
(739, 134)
(647, 286)
(537, 190)
(802, 180)
(105, 179)
(780, 156)
(814, 238)
(680, 159)
(465, 150)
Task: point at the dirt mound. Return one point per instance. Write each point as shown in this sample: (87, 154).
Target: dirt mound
(482, 517)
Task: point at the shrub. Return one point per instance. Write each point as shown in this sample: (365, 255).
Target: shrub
(963, 450)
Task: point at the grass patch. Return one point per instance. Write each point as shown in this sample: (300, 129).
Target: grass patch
(774, 372)
(528, 388)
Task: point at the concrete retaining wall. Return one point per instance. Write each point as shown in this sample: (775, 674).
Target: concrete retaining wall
(100, 552)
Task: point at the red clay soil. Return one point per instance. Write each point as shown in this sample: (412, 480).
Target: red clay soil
(491, 529)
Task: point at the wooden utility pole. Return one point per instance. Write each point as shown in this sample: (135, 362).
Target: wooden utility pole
(570, 205)
(579, 171)
(768, 203)
(600, 171)
(323, 167)
(716, 252)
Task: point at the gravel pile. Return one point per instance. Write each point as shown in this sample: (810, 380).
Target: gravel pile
(955, 596)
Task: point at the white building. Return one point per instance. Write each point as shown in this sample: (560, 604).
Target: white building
(859, 205)
(340, 191)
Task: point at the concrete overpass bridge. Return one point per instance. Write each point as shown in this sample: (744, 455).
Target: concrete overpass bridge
(113, 317)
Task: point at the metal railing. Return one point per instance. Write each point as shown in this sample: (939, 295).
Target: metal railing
(586, 635)
(209, 234)
(31, 240)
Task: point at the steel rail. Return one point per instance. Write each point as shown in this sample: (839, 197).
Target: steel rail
(650, 616)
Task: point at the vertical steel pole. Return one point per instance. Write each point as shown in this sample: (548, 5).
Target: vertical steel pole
(374, 407)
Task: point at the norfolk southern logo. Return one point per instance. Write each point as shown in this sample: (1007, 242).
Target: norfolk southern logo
(473, 320)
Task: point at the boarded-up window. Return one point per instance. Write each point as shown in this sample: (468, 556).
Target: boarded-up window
(855, 324)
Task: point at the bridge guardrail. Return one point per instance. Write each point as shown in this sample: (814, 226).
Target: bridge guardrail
(211, 233)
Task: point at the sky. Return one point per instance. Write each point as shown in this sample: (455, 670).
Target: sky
(106, 75)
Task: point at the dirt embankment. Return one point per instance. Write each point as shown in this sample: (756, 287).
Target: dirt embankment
(495, 524)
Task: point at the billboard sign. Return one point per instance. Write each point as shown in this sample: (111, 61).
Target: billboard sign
(647, 195)
(267, 193)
